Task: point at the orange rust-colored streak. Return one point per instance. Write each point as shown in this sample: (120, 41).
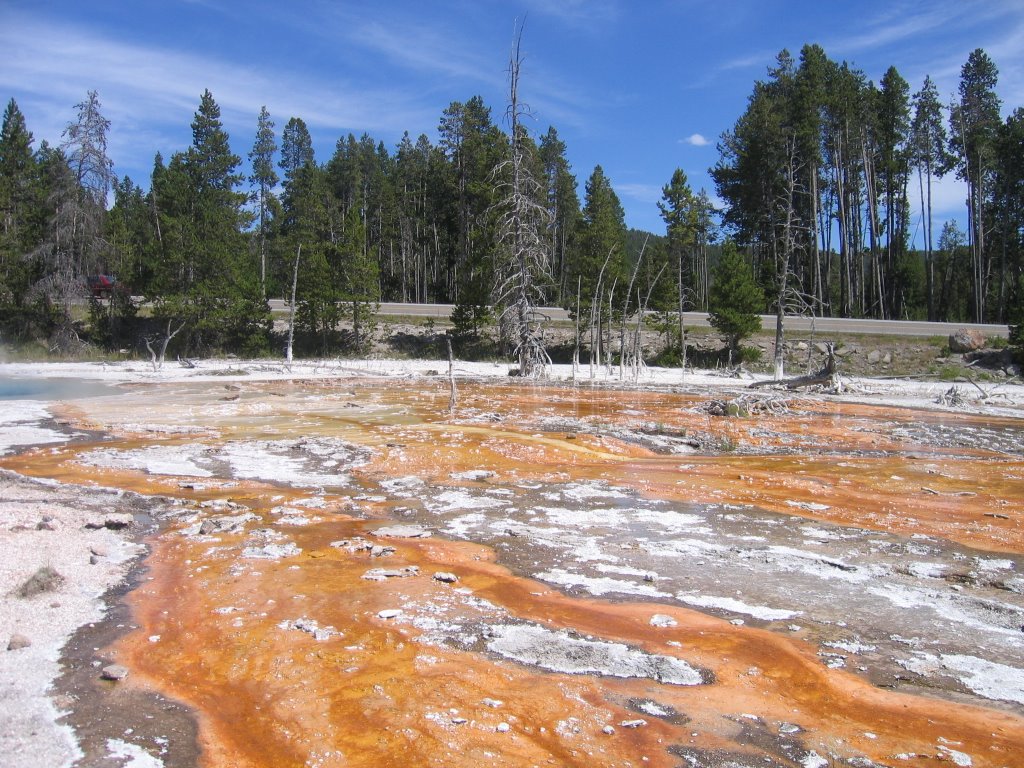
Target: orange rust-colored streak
(210, 621)
(374, 697)
(272, 697)
(790, 684)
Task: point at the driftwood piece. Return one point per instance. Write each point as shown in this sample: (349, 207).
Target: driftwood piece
(825, 377)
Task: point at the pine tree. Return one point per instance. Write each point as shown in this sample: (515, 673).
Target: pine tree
(207, 282)
(928, 156)
(19, 230)
(563, 205)
(681, 213)
(974, 123)
(263, 178)
(358, 273)
(735, 299)
(296, 148)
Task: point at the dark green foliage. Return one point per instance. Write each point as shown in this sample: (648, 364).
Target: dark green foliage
(735, 300)
(601, 252)
(205, 278)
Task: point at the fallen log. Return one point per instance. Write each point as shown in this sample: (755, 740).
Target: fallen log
(825, 377)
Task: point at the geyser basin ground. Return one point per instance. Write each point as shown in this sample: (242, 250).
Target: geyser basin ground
(842, 583)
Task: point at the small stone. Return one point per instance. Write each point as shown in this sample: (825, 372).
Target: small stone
(390, 613)
(502, 728)
(874, 356)
(608, 730)
(99, 550)
(459, 721)
(445, 577)
(114, 672)
(638, 723)
(17, 642)
(662, 620)
(93, 559)
(45, 525)
(493, 703)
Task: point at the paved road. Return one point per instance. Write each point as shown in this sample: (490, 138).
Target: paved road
(700, 320)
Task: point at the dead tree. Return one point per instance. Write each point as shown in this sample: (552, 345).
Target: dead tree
(523, 261)
(291, 306)
(453, 394)
(157, 358)
(595, 314)
(625, 311)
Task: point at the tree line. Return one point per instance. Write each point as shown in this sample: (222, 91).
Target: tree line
(815, 177)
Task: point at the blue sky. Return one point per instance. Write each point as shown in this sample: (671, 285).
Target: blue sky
(640, 87)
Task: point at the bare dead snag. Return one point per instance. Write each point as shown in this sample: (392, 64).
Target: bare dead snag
(453, 394)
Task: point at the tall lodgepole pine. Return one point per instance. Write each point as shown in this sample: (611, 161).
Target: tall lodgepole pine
(263, 178)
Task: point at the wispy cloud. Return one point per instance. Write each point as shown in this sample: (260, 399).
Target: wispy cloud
(644, 193)
(152, 93)
(695, 140)
(579, 14)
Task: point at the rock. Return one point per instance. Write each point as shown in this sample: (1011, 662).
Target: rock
(821, 346)
(502, 728)
(17, 642)
(46, 579)
(94, 560)
(493, 703)
(800, 346)
(608, 730)
(887, 358)
(383, 574)
(874, 357)
(402, 532)
(46, 525)
(661, 620)
(114, 672)
(472, 474)
(390, 613)
(225, 524)
(381, 551)
(638, 723)
(99, 550)
(310, 627)
(965, 340)
(112, 522)
(445, 577)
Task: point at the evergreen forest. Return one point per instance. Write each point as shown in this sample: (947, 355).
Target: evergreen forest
(815, 178)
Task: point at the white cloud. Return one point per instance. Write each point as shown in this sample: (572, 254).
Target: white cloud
(695, 140)
(150, 94)
(644, 193)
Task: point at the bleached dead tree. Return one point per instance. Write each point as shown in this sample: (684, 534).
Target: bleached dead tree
(625, 311)
(156, 359)
(291, 307)
(523, 260)
(595, 316)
